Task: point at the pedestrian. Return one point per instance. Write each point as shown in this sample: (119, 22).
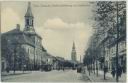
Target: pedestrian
(113, 72)
(7, 69)
(63, 68)
(119, 71)
(123, 68)
(84, 70)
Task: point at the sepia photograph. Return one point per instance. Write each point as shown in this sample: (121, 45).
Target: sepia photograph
(63, 41)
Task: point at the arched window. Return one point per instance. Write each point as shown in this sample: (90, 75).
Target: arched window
(27, 21)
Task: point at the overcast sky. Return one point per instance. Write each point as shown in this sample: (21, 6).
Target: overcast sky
(58, 23)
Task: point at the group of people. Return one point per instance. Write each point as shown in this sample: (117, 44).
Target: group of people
(119, 71)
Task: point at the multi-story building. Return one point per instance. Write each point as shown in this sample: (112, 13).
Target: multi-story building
(23, 48)
(58, 63)
(103, 45)
(108, 43)
(121, 41)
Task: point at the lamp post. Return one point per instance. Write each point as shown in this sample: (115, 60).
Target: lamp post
(104, 60)
(96, 56)
(117, 79)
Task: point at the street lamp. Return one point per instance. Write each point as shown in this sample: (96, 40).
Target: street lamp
(117, 79)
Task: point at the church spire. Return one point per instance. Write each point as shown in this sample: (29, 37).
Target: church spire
(73, 54)
(29, 20)
(73, 45)
(29, 11)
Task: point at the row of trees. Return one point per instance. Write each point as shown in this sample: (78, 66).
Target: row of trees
(109, 24)
(16, 56)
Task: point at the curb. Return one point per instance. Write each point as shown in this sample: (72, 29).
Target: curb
(90, 78)
(87, 73)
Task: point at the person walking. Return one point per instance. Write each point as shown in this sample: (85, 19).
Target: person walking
(119, 71)
(113, 72)
(7, 69)
(63, 68)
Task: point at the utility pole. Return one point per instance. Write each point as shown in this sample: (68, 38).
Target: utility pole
(14, 62)
(96, 56)
(117, 79)
(104, 60)
(80, 58)
(34, 58)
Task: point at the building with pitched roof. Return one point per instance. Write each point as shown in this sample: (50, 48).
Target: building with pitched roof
(22, 48)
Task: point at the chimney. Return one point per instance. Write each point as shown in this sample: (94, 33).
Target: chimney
(18, 26)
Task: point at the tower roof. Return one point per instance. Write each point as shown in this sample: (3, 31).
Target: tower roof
(73, 45)
(29, 11)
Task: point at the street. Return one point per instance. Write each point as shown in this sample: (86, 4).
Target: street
(64, 41)
(52, 76)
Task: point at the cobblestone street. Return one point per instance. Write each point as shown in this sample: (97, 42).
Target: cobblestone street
(64, 41)
(52, 76)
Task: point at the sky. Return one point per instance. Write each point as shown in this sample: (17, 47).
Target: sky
(59, 23)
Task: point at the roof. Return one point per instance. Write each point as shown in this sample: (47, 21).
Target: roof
(29, 11)
(60, 58)
(14, 31)
(20, 37)
(73, 45)
(44, 49)
(33, 34)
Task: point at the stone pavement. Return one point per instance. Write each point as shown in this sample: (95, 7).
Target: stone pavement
(12, 73)
(121, 79)
(51, 76)
(100, 78)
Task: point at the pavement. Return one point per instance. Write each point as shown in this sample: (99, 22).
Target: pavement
(100, 78)
(51, 76)
(16, 73)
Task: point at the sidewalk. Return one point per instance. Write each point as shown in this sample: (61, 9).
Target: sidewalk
(108, 74)
(12, 73)
(100, 78)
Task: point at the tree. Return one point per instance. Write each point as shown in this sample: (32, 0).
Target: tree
(108, 15)
(7, 51)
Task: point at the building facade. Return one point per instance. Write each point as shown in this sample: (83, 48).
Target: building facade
(23, 48)
(103, 46)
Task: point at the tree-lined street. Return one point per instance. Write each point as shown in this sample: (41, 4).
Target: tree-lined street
(88, 44)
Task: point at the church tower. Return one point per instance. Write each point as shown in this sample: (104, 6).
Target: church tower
(73, 54)
(29, 19)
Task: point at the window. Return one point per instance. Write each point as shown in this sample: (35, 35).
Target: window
(112, 50)
(27, 21)
(32, 22)
(28, 50)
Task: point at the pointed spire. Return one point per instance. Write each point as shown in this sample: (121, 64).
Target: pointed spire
(73, 45)
(80, 58)
(73, 54)
(29, 11)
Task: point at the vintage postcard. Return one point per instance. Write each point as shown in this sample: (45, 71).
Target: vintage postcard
(63, 41)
